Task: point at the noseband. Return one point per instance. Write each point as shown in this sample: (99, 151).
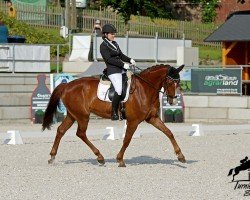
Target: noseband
(169, 78)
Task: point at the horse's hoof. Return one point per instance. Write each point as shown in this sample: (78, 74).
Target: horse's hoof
(181, 158)
(121, 164)
(51, 161)
(101, 162)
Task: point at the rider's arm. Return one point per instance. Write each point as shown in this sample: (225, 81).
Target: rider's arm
(123, 57)
(108, 58)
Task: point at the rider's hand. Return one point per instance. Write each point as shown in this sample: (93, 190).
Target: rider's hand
(126, 66)
(132, 61)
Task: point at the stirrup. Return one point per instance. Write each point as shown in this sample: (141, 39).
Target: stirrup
(123, 111)
(123, 114)
(114, 117)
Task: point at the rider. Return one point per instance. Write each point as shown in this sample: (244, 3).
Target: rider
(114, 60)
(244, 160)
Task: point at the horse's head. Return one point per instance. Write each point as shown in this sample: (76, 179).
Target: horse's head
(172, 83)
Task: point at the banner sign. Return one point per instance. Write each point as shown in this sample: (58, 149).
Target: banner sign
(217, 81)
(164, 105)
(185, 77)
(39, 100)
(62, 78)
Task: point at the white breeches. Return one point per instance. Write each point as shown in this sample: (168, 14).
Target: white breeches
(116, 80)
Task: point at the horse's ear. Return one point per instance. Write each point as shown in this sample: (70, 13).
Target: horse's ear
(180, 68)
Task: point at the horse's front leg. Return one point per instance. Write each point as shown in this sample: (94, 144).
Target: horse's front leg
(65, 125)
(156, 122)
(81, 133)
(131, 127)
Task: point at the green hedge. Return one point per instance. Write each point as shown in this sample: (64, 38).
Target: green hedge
(35, 35)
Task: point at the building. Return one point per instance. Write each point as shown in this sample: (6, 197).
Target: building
(226, 7)
(235, 37)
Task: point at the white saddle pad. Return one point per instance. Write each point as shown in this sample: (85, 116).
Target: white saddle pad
(103, 93)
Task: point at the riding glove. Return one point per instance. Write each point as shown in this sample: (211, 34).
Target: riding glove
(132, 61)
(126, 66)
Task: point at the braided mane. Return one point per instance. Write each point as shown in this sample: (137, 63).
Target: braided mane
(152, 68)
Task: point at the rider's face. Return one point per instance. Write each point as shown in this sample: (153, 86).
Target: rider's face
(111, 36)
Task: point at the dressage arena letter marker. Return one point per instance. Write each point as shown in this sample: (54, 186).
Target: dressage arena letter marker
(14, 137)
(196, 130)
(112, 134)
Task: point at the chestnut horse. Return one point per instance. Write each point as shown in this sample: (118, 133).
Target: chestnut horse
(80, 99)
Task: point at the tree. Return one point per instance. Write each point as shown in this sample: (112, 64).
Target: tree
(209, 9)
(153, 8)
(55, 2)
(159, 8)
(70, 14)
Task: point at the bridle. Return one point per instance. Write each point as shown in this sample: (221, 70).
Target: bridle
(166, 82)
(176, 81)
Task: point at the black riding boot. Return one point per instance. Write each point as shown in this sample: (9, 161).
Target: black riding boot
(115, 105)
(123, 112)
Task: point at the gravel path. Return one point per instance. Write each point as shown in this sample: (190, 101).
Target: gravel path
(152, 171)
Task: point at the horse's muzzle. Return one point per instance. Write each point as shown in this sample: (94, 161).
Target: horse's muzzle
(172, 100)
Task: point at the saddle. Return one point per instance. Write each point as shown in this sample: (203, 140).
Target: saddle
(106, 90)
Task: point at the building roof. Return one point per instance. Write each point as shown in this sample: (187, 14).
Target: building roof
(236, 28)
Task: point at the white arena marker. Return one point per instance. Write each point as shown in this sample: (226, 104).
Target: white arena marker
(196, 130)
(112, 134)
(14, 138)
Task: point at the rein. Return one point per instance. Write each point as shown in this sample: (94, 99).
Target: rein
(151, 85)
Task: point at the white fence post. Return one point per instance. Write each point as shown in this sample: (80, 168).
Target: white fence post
(156, 47)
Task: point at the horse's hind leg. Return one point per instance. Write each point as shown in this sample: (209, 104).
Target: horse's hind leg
(131, 127)
(156, 122)
(81, 133)
(65, 125)
(236, 172)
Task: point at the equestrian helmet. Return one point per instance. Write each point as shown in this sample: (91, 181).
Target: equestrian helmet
(109, 28)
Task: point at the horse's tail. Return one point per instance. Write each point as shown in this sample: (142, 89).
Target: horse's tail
(52, 106)
(230, 172)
